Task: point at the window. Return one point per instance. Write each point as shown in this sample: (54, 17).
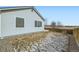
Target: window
(38, 24)
(19, 22)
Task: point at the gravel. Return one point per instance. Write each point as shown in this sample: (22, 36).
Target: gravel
(53, 42)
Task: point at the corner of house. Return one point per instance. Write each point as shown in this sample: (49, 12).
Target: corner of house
(0, 25)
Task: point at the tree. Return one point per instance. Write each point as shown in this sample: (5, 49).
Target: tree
(59, 23)
(53, 24)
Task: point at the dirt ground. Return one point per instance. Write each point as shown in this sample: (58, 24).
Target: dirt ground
(36, 42)
(73, 47)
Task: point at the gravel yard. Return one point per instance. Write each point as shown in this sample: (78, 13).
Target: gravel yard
(41, 42)
(54, 42)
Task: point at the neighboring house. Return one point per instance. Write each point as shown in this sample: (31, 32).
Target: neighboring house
(20, 20)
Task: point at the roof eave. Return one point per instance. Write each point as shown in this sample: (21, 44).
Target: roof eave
(24, 7)
(38, 13)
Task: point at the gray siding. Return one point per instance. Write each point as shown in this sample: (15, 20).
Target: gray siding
(8, 21)
(0, 25)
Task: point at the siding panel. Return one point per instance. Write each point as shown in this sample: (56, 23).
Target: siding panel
(0, 25)
(9, 22)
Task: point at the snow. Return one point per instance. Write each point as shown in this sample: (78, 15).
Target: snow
(53, 43)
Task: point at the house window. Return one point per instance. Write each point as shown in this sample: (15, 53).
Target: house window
(38, 24)
(19, 22)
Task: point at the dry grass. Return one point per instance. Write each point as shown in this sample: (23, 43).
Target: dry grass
(76, 35)
(25, 42)
(54, 30)
(60, 30)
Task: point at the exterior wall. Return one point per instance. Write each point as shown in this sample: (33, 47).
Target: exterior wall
(8, 21)
(0, 25)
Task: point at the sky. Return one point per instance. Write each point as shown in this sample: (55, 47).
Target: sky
(67, 15)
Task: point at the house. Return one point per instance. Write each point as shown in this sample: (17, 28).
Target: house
(20, 20)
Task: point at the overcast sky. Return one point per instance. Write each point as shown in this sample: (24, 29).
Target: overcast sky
(67, 15)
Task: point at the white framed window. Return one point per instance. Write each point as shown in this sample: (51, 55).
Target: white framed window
(19, 22)
(38, 24)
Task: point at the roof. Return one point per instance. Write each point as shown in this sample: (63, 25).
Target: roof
(15, 8)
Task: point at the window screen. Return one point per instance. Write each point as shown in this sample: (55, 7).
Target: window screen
(19, 22)
(38, 24)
